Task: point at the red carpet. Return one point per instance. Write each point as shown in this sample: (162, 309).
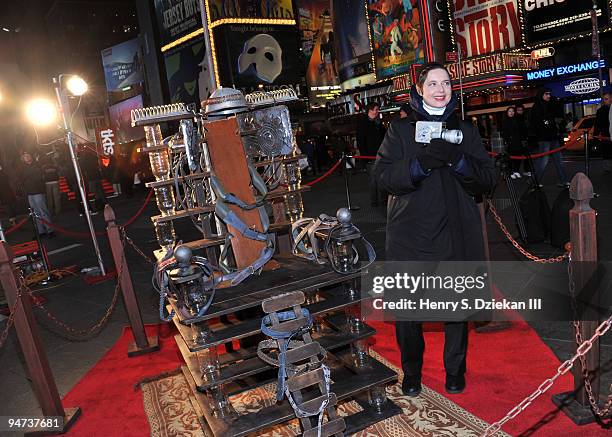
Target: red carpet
(503, 367)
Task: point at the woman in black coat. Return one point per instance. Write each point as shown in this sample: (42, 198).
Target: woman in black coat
(432, 213)
(512, 135)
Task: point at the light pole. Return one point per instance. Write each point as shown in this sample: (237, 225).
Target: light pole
(77, 87)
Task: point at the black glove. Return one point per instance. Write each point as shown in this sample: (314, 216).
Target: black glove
(429, 162)
(443, 151)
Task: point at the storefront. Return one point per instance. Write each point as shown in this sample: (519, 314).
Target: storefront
(577, 85)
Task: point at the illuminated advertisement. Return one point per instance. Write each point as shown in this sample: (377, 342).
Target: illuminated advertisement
(220, 9)
(563, 70)
(552, 20)
(395, 32)
(253, 57)
(184, 72)
(177, 18)
(121, 122)
(485, 26)
(492, 64)
(122, 66)
(319, 50)
(352, 41)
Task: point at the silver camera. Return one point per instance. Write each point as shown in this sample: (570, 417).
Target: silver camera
(431, 130)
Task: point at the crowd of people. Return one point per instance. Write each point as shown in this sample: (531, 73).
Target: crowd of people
(34, 182)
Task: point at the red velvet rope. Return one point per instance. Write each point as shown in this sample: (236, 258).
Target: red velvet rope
(537, 155)
(324, 175)
(16, 226)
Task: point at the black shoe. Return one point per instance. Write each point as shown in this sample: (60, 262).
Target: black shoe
(411, 386)
(455, 384)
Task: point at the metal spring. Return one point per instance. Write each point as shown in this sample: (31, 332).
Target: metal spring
(153, 112)
(271, 97)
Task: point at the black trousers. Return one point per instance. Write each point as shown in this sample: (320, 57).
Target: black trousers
(412, 345)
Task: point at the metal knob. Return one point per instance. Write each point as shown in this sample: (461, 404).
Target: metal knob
(343, 215)
(183, 255)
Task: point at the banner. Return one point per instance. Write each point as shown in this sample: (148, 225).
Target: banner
(396, 34)
(177, 18)
(184, 73)
(105, 141)
(352, 41)
(121, 122)
(253, 57)
(319, 50)
(485, 26)
(499, 62)
(250, 9)
(122, 65)
(554, 20)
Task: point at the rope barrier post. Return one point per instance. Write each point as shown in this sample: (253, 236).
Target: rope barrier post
(344, 162)
(583, 237)
(31, 344)
(142, 344)
(40, 246)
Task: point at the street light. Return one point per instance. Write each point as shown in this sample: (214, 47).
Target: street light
(77, 86)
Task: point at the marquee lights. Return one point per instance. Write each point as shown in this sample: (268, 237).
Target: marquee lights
(275, 21)
(182, 39)
(365, 5)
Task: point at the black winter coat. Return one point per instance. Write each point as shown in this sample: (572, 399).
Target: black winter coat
(542, 123)
(436, 219)
(369, 136)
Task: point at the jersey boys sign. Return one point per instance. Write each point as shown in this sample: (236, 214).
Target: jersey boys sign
(485, 26)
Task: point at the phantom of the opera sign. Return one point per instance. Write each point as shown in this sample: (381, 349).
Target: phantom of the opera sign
(487, 26)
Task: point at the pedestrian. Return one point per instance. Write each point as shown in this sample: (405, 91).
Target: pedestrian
(370, 134)
(34, 186)
(512, 137)
(523, 129)
(601, 131)
(88, 160)
(432, 213)
(543, 127)
(7, 196)
(405, 110)
(54, 198)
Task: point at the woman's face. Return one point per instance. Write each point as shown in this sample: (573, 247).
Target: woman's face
(437, 88)
(510, 112)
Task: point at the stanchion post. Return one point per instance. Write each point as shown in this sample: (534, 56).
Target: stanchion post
(142, 344)
(583, 238)
(36, 360)
(343, 162)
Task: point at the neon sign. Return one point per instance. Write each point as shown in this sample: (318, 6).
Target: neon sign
(565, 69)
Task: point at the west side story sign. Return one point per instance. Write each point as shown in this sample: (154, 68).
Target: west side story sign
(177, 18)
(492, 64)
(486, 26)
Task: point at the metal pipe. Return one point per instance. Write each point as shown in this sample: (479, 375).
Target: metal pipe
(77, 170)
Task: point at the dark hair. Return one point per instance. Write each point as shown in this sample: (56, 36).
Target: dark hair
(425, 69)
(406, 108)
(509, 108)
(371, 106)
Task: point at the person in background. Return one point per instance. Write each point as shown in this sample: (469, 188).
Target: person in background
(432, 211)
(7, 196)
(405, 110)
(544, 129)
(88, 160)
(523, 129)
(54, 198)
(34, 186)
(511, 135)
(370, 134)
(601, 131)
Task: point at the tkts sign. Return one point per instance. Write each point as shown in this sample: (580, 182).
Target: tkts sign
(485, 26)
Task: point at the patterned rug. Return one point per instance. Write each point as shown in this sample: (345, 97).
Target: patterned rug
(170, 413)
